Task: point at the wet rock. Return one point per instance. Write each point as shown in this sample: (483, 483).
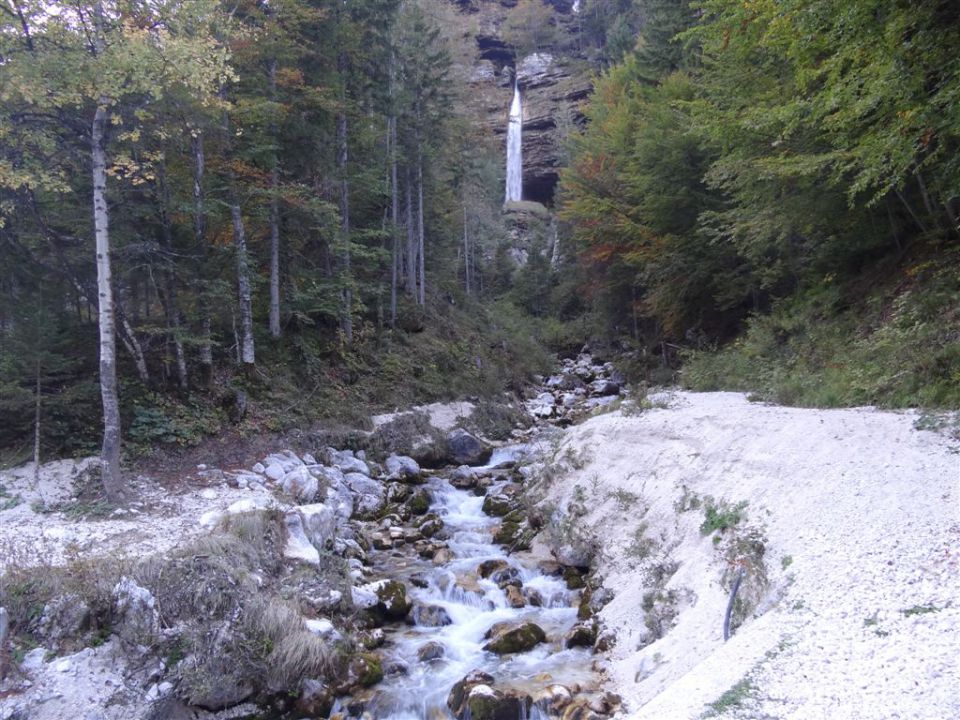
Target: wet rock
(488, 567)
(515, 597)
(315, 699)
(605, 641)
(372, 639)
(441, 556)
(517, 639)
(365, 669)
(579, 709)
(403, 468)
(508, 576)
(464, 448)
(419, 580)
(581, 635)
(512, 535)
(431, 651)
(485, 703)
(573, 578)
(482, 485)
(398, 492)
(430, 526)
(392, 601)
(457, 699)
(396, 668)
(533, 596)
(497, 505)
(430, 616)
(419, 503)
(553, 699)
(464, 478)
(592, 602)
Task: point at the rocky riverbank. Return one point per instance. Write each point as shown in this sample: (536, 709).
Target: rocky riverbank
(319, 585)
(577, 567)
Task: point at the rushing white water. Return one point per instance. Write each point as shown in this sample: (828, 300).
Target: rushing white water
(515, 148)
(474, 604)
(576, 7)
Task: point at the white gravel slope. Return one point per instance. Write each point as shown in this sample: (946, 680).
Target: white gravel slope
(862, 504)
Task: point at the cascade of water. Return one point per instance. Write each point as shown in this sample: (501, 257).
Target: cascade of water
(515, 148)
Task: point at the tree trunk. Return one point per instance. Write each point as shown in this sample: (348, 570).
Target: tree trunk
(411, 241)
(274, 221)
(199, 230)
(36, 419)
(247, 356)
(421, 296)
(110, 452)
(170, 281)
(394, 219)
(346, 318)
(466, 252)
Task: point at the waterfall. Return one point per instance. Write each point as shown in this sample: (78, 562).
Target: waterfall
(514, 148)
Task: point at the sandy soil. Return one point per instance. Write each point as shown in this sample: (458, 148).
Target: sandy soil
(860, 514)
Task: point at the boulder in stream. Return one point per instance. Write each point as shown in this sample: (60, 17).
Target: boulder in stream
(497, 505)
(403, 468)
(432, 650)
(581, 635)
(430, 616)
(392, 601)
(464, 448)
(515, 639)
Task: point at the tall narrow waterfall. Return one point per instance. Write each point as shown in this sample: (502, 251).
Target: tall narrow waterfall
(514, 148)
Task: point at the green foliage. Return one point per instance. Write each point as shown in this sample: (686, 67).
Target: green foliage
(162, 420)
(896, 347)
(732, 699)
(721, 515)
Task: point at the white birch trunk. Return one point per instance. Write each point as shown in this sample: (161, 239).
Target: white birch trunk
(110, 451)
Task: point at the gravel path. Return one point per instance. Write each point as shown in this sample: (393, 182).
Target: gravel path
(859, 510)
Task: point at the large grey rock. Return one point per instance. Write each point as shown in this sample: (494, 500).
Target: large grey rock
(430, 616)
(64, 617)
(464, 448)
(136, 617)
(300, 484)
(370, 495)
(319, 525)
(298, 545)
(402, 467)
(346, 461)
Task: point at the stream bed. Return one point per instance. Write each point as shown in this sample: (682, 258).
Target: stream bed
(461, 603)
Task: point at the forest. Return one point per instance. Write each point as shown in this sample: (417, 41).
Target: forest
(261, 214)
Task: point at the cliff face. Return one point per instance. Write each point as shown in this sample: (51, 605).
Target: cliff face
(553, 76)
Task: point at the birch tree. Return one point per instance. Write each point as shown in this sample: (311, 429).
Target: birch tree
(112, 61)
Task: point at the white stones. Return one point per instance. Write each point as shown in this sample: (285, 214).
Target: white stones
(208, 494)
(298, 546)
(259, 469)
(346, 461)
(275, 472)
(300, 483)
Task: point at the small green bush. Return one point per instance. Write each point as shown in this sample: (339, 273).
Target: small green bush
(722, 516)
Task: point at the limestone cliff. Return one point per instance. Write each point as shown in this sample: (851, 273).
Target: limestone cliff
(554, 78)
